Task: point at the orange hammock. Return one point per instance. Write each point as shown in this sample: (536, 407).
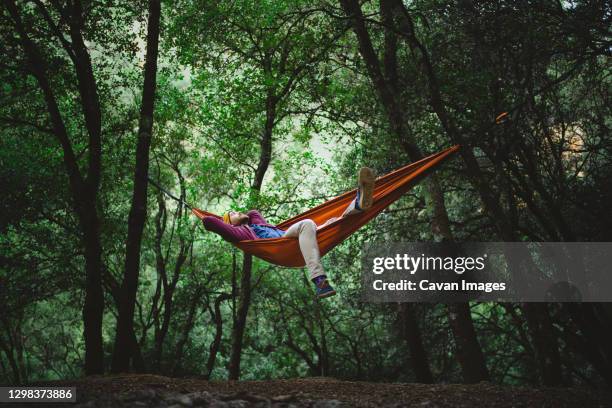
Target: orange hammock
(388, 188)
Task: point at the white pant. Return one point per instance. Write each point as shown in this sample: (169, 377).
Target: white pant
(306, 233)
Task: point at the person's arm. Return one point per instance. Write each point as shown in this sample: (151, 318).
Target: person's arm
(228, 232)
(255, 217)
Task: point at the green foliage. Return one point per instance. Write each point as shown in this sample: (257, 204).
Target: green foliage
(232, 74)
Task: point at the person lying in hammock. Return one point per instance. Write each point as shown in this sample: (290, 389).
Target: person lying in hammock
(237, 226)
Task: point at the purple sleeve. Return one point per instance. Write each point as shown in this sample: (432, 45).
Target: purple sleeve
(256, 218)
(228, 232)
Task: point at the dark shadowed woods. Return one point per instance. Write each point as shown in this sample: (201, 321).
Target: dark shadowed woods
(274, 105)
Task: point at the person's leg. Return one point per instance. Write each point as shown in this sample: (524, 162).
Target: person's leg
(306, 233)
(352, 208)
(364, 198)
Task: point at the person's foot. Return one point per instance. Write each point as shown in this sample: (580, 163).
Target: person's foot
(323, 289)
(366, 188)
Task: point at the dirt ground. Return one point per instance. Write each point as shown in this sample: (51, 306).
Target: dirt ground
(153, 390)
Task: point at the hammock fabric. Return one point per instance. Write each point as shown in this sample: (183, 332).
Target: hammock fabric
(388, 188)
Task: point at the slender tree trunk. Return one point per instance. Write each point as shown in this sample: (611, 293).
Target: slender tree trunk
(216, 343)
(468, 352)
(169, 285)
(162, 278)
(244, 302)
(324, 355)
(5, 373)
(7, 347)
(115, 291)
(187, 327)
(409, 327)
(545, 342)
(594, 341)
(19, 346)
(123, 352)
(411, 333)
(467, 348)
(94, 298)
(83, 190)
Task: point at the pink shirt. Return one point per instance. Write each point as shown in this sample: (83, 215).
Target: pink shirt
(235, 233)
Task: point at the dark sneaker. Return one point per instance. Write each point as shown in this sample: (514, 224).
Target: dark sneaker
(366, 188)
(324, 289)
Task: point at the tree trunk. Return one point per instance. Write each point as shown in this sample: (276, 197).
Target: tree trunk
(468, 352)
(594, 342)
(216, 343)
(187, 327)
(123, 353)
(541, 330)
(7, 346)
(324, 354)
(169, 285)
(93, 309)
(265, 156)
(411, 333)
(244, 302)
(83, 190)
(545, 342)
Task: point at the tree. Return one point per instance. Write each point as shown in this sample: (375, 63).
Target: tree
(84, 187)
(468, 351)
(273, 50)
(124, 348)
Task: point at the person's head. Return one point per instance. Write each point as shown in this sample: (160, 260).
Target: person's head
(235, 218)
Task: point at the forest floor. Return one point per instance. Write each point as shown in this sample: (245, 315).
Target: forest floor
(146, 390)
